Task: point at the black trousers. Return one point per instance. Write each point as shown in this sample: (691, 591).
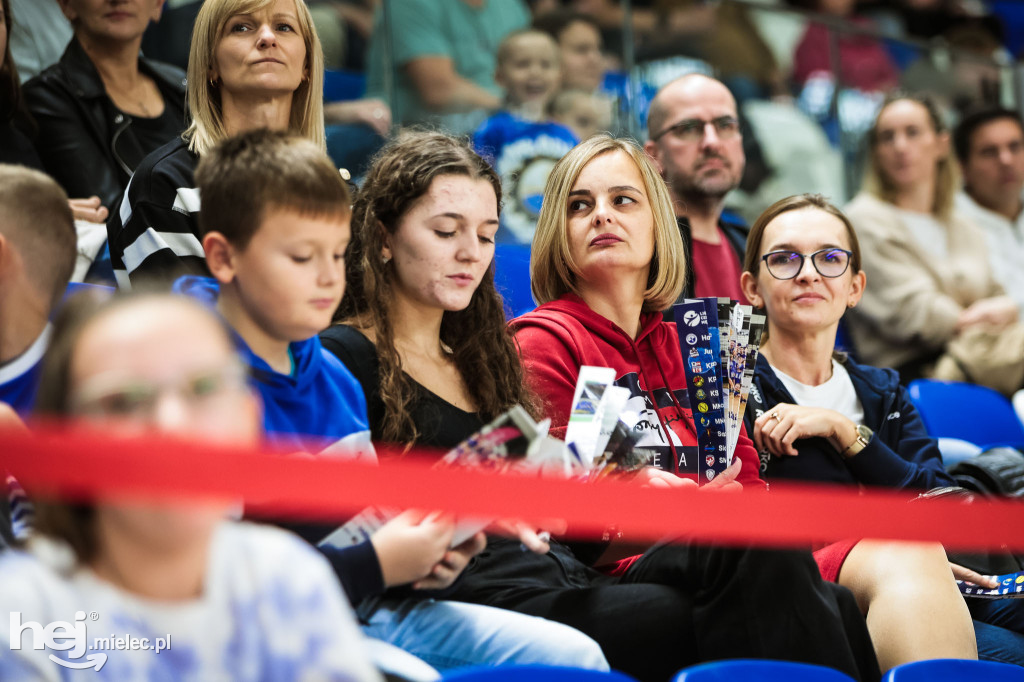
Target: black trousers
(682, 604)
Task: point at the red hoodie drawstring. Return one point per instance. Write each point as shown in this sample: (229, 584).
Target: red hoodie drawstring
(654, 402)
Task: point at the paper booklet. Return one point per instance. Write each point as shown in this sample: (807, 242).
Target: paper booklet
(719, 340)
(1011, 586)
(602, 445)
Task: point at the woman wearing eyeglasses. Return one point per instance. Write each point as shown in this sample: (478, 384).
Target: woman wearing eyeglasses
(815, 415)
(930, 279)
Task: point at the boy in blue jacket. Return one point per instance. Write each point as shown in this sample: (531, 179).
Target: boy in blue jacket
(275, 225)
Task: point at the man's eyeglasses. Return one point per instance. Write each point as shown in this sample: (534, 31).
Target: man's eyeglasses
(692, 129)
(830, 262)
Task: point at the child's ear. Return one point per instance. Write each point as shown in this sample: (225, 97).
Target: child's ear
(220, 257)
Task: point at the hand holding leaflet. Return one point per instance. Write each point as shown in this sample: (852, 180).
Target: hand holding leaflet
(1010, 586)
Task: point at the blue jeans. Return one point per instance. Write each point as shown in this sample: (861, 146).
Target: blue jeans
(1006, 613)
(999, 644)
(448, 634)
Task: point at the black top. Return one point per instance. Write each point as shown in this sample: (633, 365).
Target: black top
(441, 425)
(156, 236)
(16, 148)
(153, 133)
(85, 142)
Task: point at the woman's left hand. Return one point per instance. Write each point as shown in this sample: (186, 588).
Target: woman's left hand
(778, 429)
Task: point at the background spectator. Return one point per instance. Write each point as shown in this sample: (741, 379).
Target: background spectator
(102, 108)
(443, 55)
(990, 146)
(40, 36)
(521, 141)
(863, 61)
(927, 264)
(232, 88)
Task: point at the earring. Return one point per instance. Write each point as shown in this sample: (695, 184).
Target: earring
(214, 82)
(386, 259)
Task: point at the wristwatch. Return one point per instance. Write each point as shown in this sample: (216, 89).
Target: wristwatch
(864, 435)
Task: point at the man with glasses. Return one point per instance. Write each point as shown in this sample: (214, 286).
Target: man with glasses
(694, 138)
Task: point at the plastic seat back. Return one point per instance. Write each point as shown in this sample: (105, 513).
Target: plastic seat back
(759, 671)
(954, 670)
(969, 412)
(533, 673)
(512, 277)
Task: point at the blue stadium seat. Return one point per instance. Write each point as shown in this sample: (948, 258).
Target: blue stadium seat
(343, 85)
(976, 414)
(512, 277)
(759, 671)
(953, 670)
(1012, 14)
(533, 673)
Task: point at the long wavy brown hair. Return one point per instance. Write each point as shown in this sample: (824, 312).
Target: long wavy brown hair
(11, 104)
(482, 348)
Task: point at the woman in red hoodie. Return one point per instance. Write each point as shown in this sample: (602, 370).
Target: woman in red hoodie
(607, 258)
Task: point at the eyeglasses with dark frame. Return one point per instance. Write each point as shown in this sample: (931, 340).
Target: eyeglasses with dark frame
(830, 262)
(692, 129)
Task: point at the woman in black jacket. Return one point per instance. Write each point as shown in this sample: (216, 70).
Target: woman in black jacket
(103, 107)
(16, 124)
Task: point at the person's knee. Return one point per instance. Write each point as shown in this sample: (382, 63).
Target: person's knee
(911, 568)
(567, 646)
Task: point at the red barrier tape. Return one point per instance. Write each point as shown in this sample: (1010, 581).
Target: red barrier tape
(87, 465)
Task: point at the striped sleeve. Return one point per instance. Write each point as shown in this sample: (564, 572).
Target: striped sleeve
(154, 233)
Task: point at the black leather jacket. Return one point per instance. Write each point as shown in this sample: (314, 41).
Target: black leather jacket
(85, 142)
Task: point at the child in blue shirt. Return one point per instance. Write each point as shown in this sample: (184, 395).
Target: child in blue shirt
(521, 141)
(275, 226)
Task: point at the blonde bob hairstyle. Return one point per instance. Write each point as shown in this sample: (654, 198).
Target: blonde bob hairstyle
(552, 270)
(947, 172)
(206, 127)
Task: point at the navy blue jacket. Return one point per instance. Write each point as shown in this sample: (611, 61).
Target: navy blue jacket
(900, 455)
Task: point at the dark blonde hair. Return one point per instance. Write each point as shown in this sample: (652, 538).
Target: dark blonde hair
(482, 349)
(552, 269)
(203, 97)
(752, 257)
(243, 177)
(947, 176)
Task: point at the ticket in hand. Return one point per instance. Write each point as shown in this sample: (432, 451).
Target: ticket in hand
(1011, 586)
